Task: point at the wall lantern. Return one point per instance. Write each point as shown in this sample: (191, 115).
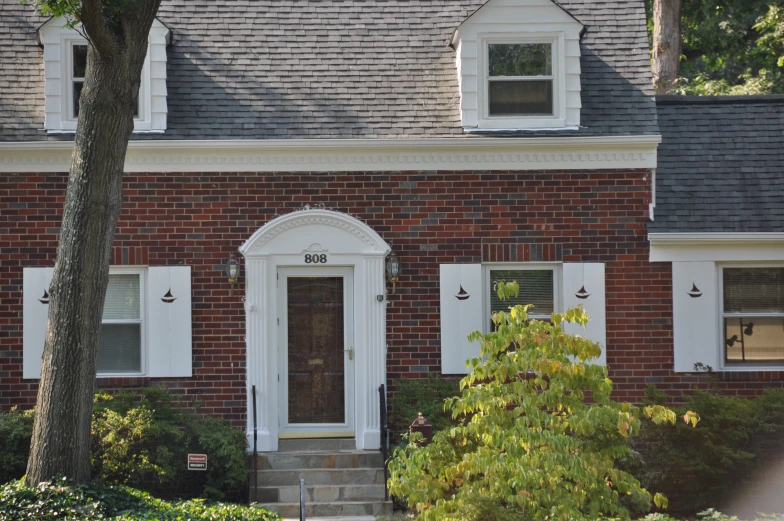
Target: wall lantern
(393, 269)
(232, 272)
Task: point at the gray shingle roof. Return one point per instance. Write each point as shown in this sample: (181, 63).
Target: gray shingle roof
(721, 164)
(260, 69)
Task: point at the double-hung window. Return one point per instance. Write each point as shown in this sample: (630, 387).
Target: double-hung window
(752, 314)
(537, 287)
(519, 79)
(120, 346)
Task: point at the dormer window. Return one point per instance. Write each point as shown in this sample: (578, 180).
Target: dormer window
(518, 67)
(519, 79)
(65, 65)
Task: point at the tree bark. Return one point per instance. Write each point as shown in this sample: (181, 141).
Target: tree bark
(667, 44)
(61, 432)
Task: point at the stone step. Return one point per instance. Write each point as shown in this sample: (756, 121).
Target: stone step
(332, 508)
(313, 477)
(319, 493)
(320, 460)
(311, 444)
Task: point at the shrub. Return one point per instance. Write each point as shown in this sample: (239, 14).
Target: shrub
(143, 439)
(697, 467)
(60, 500)
(425, 396)
(529, 442)
(16, 429)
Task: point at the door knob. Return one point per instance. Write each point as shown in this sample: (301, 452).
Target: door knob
(350, 352)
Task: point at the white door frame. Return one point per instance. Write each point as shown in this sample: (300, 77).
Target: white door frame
(325, 430)
(286, 241)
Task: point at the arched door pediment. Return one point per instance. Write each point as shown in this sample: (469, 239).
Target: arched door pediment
(314, 230)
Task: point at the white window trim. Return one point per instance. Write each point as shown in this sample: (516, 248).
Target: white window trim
(555, 267)
(141, 271)
(724, 365)
(68, 39)
(558, 119)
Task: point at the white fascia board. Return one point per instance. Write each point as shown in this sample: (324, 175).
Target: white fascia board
(717, 247)
(336, 155)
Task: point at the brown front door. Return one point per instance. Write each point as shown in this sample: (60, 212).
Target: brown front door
(318, 354)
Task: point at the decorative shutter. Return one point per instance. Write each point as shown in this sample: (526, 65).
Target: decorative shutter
(169, 321)
(35, 287)
(462, 313)
(583, 284)
(695, 308)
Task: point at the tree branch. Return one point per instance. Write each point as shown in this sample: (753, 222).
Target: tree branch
(95, 26)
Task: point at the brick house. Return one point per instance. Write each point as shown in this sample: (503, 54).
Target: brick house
(475, 141)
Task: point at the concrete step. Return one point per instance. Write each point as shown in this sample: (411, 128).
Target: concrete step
(319, 493)
(311, 444)
(313, 477)
(320, 460)
(332, 508)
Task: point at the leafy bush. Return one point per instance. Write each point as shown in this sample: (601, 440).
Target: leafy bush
(16, 429)
(529, 442)
(59, 500)
(697, 467)
(425, 396)
(143, 439)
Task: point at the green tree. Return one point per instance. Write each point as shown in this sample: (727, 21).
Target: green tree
(539, 436)
(117, 32)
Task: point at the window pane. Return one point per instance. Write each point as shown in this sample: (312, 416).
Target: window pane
(753, 290)
(528, 97)
(119, 348)
(754, 339)
(77, 91)
(536, 287)
(122, 298)
(520, 59)
(79, 60)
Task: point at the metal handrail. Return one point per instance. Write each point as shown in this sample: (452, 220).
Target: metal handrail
(255, 452)
(384, 428)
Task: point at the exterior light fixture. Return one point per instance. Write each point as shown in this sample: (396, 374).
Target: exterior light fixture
(232, 272)
(393, 269)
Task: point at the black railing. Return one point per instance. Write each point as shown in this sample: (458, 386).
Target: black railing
(384, 428)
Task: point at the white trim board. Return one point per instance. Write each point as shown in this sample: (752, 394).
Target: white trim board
(352, 155)
(716, 247)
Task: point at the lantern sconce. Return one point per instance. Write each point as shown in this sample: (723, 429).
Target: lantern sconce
(393, 270)
(232, 272)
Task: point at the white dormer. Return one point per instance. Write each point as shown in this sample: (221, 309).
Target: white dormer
(518, 66)
(65, 59)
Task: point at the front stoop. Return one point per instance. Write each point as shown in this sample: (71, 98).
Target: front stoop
(341, 483)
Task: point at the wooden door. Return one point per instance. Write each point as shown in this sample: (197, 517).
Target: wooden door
(318, 351)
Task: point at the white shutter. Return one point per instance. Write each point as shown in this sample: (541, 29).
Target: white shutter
(169, 323)
(695, 308)
(587, 280)
(461, 314)
(35, 282)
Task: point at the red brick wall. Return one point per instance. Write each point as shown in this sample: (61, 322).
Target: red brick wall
(429, 218)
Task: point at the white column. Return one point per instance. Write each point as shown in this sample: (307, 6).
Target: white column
(258, 355)
(375, 347)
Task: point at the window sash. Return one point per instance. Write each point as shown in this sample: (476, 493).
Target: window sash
(548, 77)
(115, 362)
(535, 312)
(755, 337)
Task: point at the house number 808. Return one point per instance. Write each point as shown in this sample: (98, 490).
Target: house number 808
(315, 259)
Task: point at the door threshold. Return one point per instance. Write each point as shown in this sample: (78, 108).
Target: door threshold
(314, 435)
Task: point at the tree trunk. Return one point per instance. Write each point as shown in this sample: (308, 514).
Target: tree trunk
(61, 433)
(666, 44)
